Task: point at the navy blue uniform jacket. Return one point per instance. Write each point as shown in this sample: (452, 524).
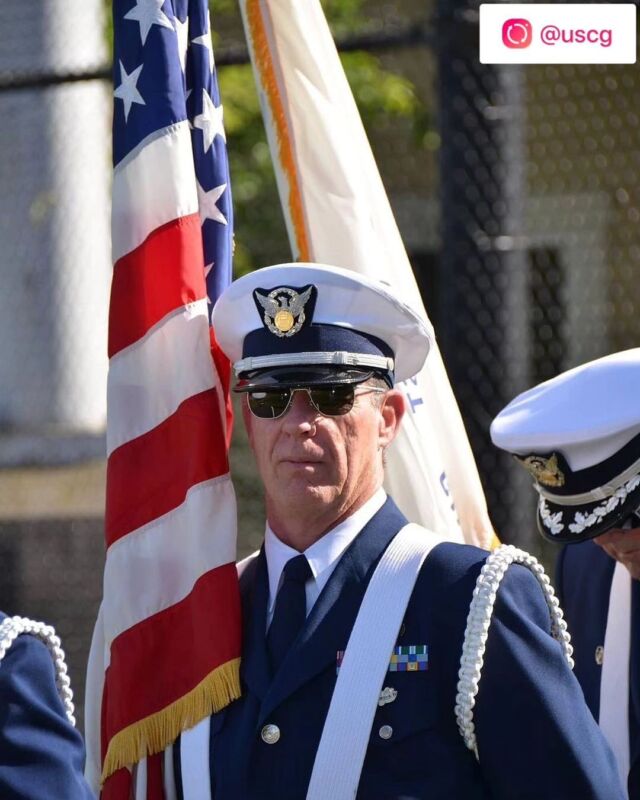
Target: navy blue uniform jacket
(583, 576)
(537, 739)
(41, 753)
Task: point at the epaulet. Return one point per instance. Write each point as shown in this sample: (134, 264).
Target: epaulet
(12, 627)
(479, 620)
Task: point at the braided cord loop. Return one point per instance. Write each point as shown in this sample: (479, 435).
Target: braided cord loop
(12, 627)
(477, 630)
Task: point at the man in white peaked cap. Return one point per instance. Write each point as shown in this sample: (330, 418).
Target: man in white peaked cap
(353, 626)
(579, 437)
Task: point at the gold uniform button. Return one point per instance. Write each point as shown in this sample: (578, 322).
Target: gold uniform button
(270, 734)
(599, 655)
(385, 732)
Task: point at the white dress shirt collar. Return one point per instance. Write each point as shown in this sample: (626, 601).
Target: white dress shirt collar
(323, 555)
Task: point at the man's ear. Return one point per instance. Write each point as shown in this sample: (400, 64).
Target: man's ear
(392, 411)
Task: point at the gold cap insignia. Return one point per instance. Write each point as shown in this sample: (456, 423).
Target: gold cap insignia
(284, 309)
(545, 470)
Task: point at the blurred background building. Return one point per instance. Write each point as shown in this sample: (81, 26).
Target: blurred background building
(516, 189)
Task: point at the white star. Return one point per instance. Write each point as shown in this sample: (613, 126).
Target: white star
(182, 30)
(127, 91)
(205, 41)
(210, 121)
(207, 204)
(148, 13)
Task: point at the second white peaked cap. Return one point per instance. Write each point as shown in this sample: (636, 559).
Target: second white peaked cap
(348, 314)
(578, 434)
(588, 412)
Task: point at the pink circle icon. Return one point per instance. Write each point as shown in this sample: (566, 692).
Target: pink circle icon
(517, 33)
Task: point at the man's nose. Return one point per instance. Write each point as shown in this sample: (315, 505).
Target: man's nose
(302, 415)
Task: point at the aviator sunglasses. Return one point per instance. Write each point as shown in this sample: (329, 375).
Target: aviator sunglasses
(330, 401)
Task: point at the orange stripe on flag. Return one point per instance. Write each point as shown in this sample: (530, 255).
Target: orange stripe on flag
(164, 273)
(150, 475)
(264, 63)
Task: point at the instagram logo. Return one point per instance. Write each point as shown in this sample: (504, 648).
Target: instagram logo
(516, 33)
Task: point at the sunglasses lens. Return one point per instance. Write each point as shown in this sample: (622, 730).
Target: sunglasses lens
(332, 401)
(269, 405)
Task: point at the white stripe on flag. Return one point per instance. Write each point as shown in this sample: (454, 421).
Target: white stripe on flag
(186, 538)
(168, 775)
(154, 187)
(92, 705)
(148, 380)
(194, 761)
(140, 780)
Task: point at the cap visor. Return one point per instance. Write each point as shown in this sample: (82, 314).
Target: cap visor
(575, 524)
(295, 377)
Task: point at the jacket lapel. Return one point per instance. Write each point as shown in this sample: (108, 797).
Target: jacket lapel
(254, 586)
(329, 624)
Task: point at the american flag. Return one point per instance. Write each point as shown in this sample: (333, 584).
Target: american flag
(166, 647)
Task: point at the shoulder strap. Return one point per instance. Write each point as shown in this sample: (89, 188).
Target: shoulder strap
(479, 620)
(338, 763)
(12, 627)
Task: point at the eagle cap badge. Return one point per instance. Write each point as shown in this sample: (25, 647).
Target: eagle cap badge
(285, 310)
(545, 470)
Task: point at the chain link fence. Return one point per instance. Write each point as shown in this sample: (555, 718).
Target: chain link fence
(516, 189)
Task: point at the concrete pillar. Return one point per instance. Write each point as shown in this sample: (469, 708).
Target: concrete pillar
(54, 220)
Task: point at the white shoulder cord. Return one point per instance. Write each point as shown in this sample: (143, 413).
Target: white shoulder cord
(12, 627)
(479, 620)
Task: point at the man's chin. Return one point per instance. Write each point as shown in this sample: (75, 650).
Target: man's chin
(303, 488)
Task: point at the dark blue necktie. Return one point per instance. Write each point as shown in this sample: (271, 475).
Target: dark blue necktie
(290, 611)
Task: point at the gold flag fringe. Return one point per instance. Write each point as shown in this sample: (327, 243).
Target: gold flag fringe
(264, 64)
(155, 732)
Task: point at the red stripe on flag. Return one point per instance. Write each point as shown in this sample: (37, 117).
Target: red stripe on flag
(189, 639)
(165, 272)
(155, 788)
(223, 368)
(150, 475)
(117, 786)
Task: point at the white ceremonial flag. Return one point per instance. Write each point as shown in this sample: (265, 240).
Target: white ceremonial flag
(337, 212)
